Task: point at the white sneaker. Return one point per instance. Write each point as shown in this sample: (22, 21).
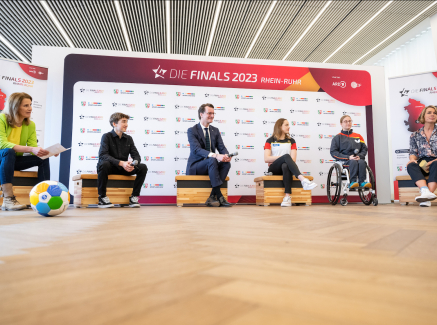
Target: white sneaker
(426, 195)
(308, 185)
(425, 204)
(286, 202)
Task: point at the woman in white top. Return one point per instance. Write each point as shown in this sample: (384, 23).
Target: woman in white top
(280, 153)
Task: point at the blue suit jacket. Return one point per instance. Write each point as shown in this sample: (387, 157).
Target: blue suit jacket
(198, 145)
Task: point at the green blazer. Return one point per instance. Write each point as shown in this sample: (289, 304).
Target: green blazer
(28, 135)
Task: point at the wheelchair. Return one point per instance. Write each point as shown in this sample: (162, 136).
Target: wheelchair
(338, 185)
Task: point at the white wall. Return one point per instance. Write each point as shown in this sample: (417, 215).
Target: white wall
(54, 58)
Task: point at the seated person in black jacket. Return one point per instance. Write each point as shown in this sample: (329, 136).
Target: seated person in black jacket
(115, 148)
(350, 148)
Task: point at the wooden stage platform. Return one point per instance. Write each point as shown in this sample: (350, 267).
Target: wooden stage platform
(159, 265)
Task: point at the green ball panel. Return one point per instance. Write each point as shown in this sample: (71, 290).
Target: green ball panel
(55, 202)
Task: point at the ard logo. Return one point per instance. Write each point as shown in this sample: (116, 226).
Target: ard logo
(147, 105)
(321, 161)
(178, 145)
(177, 172)
(82, 130)
(322, 186)
(293, 122)
(399, 168)
(146, 158)
(237, 121)
(266, 135)
(237, 172)
(83, 103)
(116, 91)
(266, 110)
(178, 93)
(145, 185)
(319, 112)
(147, 131)
(237, 96)
(178, 119)
(320, 136)
(237, 146)
(81, 157)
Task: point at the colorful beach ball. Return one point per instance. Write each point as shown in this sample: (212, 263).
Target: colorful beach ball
(49, 198)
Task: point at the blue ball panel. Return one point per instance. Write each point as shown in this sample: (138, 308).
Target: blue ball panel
(63, 187)
(54, 190)
(42, 208)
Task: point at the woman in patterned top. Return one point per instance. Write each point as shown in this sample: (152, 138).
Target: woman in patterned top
(280, 153)
(423, 154)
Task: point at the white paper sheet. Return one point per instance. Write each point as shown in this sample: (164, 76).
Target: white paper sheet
(54, 150)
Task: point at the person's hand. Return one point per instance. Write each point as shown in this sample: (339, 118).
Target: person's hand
(412, 161)
(39, 152)
(430, 162)
(222, 158)
(56, 155)
(127, 166)
(227, 158)
(352, 157)
(269, 164)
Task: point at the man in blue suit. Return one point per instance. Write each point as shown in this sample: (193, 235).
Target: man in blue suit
(204, 140)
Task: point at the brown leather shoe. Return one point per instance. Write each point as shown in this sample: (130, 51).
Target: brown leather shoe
(212, 201)
(224, 203)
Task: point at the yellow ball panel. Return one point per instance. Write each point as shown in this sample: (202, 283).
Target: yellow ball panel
(34, 198)
(42, 188)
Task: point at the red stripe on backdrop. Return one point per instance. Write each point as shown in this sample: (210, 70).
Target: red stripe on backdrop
(396, 190)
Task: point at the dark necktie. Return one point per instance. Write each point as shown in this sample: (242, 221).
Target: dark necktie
(208, 145)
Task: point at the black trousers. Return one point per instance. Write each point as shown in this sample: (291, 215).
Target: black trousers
(357, 168)
(285, 166)
(416, 173)
(104, 169)
(216, 170)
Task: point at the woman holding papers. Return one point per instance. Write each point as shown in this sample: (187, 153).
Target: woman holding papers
(18, 136)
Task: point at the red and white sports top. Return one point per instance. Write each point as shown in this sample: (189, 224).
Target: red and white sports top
(280, 147)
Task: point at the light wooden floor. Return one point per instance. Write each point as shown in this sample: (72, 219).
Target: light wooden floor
(199, 266)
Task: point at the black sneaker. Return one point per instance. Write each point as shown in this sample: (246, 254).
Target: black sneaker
(104, 202)
(133, 202)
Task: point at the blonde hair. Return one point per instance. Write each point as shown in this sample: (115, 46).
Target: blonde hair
(15, 101)
(343, 117)
(421, 118)
(277, 129)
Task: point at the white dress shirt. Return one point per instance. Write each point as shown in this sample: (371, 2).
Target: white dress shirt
(204, 134)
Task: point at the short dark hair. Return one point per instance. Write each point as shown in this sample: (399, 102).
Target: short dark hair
(117, 117)
(202, 108)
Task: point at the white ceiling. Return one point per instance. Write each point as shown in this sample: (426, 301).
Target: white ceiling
(96, 25)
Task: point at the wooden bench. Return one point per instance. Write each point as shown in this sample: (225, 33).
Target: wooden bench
(195, 189)
(23, 182)
(270, 189)
(119, 189)
(407, 191)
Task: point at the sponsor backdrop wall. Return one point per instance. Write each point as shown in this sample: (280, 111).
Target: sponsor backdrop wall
(163, 95)
(408, 96)
(28, 78)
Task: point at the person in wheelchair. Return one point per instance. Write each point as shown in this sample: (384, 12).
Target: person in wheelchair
(423, 155)
(350, 148)
(280, 153)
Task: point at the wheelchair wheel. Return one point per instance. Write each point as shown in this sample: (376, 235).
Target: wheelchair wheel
(333, 186)
(367, 195)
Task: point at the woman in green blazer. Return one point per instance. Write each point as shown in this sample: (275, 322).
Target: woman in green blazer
(18, 136)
